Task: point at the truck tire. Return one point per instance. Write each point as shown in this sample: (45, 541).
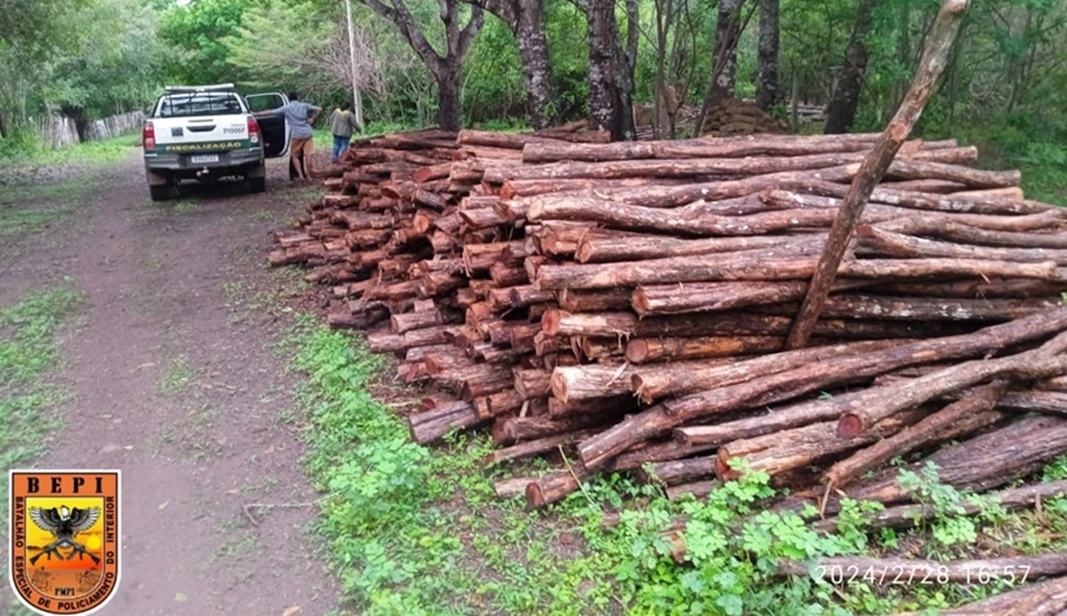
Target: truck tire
(257, 178)
(160, 193)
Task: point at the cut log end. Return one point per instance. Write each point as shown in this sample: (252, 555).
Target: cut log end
(849, 426)
(637, 352)
(550, 322)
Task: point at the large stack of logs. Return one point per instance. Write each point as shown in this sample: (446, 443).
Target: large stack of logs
(736, 116)
(629, 303)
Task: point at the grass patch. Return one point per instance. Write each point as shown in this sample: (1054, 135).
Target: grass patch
(178, 377)
(31, 152)
(418, 531)
(29, 351)
(26, 209)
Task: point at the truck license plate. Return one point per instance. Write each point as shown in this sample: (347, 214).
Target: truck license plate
(204, 158)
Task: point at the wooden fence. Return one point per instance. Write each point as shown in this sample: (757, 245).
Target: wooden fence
(59, 131)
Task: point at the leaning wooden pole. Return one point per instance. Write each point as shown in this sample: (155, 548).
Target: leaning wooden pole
(935, 55)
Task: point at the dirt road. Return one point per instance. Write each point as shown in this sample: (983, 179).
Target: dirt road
(177, 381)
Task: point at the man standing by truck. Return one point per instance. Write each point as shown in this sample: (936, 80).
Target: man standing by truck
(300, 116)
(342, 124)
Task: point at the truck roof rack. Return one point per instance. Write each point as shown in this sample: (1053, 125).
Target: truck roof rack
(222, 87)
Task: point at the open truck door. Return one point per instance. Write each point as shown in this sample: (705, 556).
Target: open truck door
(275, 130)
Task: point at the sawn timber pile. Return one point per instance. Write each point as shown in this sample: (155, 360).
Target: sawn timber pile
(629, 303)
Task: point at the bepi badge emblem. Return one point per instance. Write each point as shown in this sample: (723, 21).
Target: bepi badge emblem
(64, 539)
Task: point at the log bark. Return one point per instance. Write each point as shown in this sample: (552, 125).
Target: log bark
(983, 462)
(648, 350)
(980, 400)
(534, 447)
(592, 381)
(966, 234)
(877, 241)
(606, 300)
(759, 266)
(767, 389)
(792, 449)
(726, 147)
(722, 167)
(939, 42)
(653, 386)
(863, 411)
(906, 516)
(1045, 597)
(677, 471)
(607, 249)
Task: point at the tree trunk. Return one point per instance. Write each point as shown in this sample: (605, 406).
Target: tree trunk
(536, 64)
(448, 102)
(611, 68)
(727, 32)
(603, 39)
(847, 94)
(768, 91)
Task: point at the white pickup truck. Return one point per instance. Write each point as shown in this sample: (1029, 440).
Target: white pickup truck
(209, 132)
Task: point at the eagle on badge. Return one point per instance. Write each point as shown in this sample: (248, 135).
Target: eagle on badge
(64, 524)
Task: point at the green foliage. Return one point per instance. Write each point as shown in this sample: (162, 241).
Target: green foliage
(196, 33)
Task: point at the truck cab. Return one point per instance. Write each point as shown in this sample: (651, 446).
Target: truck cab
(207, 133)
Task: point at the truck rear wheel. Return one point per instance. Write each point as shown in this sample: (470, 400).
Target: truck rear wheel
(160, 193)
(257, 178)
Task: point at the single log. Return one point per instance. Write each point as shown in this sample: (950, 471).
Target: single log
(859, 413)
(606, 300)
(622, 403)
(895, 570)
(979, 400)
(906, 516)
(508, 430)
(600, 349)
(712, 296)
(511, 488)
(650, 386)
(983, 462)
(431, 431)
(592, 381)
(792, 449)
(533, 383)
(607, 249)
(495, 405)
(677, 471)
(752, 266)
(403, 323)
(767, 389)
(762, 145)
(979, 202)
(646, 350)
(696, 219)
(966, 234)
(855, 306)
(553, 487)
(527, 295)
(877, 241)
(993, 288)
(696, 489)
(680, 168)
(532, 448)
(1045, 597)
(616, 325)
